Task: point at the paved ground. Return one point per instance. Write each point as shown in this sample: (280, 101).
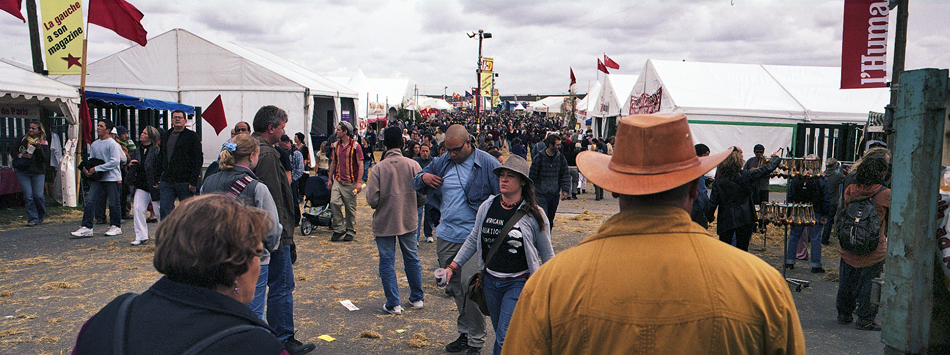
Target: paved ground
(49, 285)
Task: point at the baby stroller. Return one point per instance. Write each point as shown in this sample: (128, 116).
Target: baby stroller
(316, 210)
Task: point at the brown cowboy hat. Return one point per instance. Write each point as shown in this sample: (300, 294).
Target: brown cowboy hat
(654, 153)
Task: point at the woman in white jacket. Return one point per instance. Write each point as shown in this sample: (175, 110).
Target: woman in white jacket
(521, 252)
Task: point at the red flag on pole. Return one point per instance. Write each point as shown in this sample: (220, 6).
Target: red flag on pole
(214, 115)
(601, 67)
(864, 45)
(84, 119)
(573, 79)
(119, 16)
(13, 7)
(610, 63)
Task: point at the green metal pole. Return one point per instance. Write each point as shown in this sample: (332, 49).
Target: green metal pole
(906, 295)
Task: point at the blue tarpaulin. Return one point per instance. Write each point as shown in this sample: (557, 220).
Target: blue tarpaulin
(94, 97)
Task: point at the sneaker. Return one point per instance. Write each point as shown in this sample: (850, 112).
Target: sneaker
(152, 220)
(295, 347)
(336, 236)
(417, 305)
(430, 240)
(845, 318)
(395, 310)
(114, 230)
(474, 351)
(31, 224)
(817, 270)
(459, 345)
(348, 238)
(139, 242)
(82, 232)
(871, 325)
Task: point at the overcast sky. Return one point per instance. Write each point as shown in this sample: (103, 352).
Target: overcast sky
(534, 42)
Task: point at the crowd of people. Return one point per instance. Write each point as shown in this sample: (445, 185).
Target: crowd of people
(447, 181)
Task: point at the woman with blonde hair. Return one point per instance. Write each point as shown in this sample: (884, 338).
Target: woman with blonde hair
(30, 159)
(208, 250)
(144, 178)
(238, 181)
(732, 195)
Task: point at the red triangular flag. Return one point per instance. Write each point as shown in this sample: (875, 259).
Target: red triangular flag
(119, 16)
(214, 115)
(573, 79)
(610, 63)
(84, 119)
(601, 67)
(13, 7)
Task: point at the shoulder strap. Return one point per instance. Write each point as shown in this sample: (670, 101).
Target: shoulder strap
(878, 191)
(239, 185)
(121, 318)
(206, 342)
(503, 232)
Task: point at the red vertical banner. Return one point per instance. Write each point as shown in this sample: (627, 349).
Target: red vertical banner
(864, 44)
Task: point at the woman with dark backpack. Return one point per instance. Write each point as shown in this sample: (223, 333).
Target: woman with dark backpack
(857, 271)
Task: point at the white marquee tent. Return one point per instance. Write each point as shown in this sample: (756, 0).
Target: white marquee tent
(179, 66)
(22, 93)
(377, 97)
(610, 100)
(550, 104)
(586, 105)
(747, 104)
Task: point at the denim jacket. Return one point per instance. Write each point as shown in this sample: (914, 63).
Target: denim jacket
(481, 184)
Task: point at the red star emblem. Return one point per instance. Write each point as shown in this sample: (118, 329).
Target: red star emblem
(72, 61)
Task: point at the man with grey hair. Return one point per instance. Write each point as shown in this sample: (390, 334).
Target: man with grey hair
(700, 296)
(269, 125)
(457, 183)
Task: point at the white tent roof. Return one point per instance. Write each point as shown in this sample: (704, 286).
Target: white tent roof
(587, 104)
(550, 104)
(612, 95)
(438, 104)
(386, 93)
(23, 87)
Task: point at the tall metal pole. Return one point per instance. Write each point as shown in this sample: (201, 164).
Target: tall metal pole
(34, 36)
(900, 47)
(478, 75)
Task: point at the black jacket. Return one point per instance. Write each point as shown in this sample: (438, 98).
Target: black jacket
(186, 160)
(170, 317)
(40, 156)
(146, 171)
(734, 197)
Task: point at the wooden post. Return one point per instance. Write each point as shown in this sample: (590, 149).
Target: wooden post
(906, 296)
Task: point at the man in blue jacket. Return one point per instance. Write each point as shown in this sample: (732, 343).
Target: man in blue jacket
(457, 183)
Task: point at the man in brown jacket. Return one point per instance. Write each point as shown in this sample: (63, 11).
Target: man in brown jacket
(651, 281)
(269, 125)
(394, 219)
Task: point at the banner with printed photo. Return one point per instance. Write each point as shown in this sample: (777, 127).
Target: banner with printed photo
(488, 66)
(63, 36)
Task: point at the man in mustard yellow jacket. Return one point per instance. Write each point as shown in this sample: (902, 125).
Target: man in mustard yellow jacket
(651, 280)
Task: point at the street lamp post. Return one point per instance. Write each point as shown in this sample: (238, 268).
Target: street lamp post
(478, 72)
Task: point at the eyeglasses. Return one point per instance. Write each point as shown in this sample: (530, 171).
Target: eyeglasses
(455, 150)
(241, 130)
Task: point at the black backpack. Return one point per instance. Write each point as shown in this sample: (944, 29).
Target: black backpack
(858, 226)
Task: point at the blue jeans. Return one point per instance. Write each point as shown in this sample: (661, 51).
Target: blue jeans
(366, 165)
(854, 290)
(260, 294)
(169, 191)
(280, 297)
(501, 296)
(410, 260)
(421, 211)
(814, 237)
(98, 190)
(549, 204)
(32, 186)
(431, 219)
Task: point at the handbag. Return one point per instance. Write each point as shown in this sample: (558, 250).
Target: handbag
(476, 292)
(22, 164)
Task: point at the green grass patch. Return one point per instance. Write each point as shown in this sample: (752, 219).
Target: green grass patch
(778, 188)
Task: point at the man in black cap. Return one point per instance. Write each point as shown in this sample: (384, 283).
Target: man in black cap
(760, 188)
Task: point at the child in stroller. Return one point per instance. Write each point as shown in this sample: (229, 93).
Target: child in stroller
(316, 210)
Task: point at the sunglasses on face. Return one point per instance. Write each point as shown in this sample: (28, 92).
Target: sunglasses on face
(455, 150)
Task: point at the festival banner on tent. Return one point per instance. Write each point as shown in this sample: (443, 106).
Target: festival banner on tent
(645, 104)
(63, 36)
(20, 111)
(864, 44)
